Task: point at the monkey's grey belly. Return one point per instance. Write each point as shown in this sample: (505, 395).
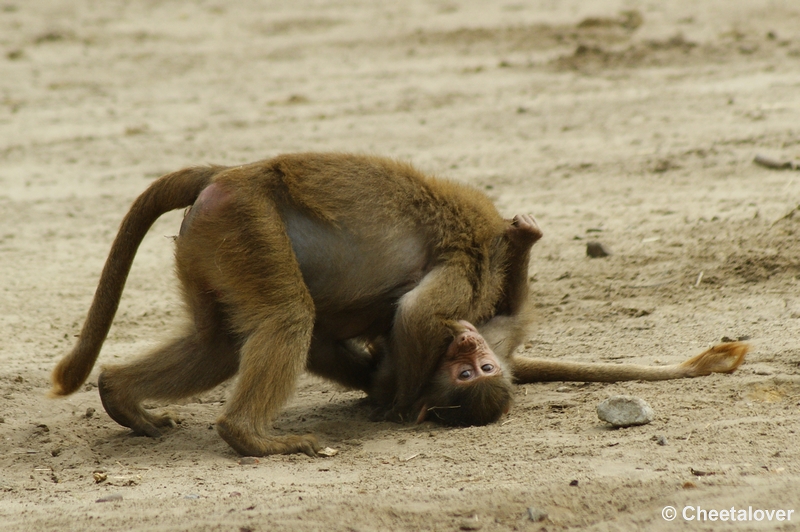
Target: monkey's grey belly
(355, 277)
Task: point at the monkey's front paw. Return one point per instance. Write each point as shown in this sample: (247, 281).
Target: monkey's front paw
(248, 444)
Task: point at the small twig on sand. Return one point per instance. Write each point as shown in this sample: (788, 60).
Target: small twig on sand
(787, 216)
(775, 164)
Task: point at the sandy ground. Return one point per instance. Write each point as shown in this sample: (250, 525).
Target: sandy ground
(637, 129)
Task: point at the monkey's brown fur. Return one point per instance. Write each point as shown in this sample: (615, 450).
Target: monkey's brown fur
(281, 262)
(310, 261)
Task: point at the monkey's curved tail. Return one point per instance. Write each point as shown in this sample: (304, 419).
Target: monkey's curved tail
(173, 191)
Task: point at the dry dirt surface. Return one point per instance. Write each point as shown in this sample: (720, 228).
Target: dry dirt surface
(633, 123)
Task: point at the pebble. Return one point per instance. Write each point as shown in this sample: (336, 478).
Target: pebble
(110, 498)
(661, 439)
(596, 250)
(125, 480)
(328, 452)
(536, 514)
(471, 524)
(625, 411)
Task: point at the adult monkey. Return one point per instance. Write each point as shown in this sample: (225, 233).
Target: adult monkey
(359, 268)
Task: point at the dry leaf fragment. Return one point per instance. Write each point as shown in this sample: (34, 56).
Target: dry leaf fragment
(327, 452)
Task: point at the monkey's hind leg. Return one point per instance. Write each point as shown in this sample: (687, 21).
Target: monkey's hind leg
(349, 363)
(183, 367)
(238, 243)
(722, 358)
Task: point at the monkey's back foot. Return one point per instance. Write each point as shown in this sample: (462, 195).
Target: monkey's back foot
(722, 358)
(128, 412)
(248, 444)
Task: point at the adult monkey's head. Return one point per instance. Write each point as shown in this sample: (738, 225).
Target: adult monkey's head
(471, 385)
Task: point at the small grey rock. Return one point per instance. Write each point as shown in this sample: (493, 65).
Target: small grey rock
(471, 524)
(661, 439)
(625, 411)
(596, 250)
(110, 498)
(536, 514)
